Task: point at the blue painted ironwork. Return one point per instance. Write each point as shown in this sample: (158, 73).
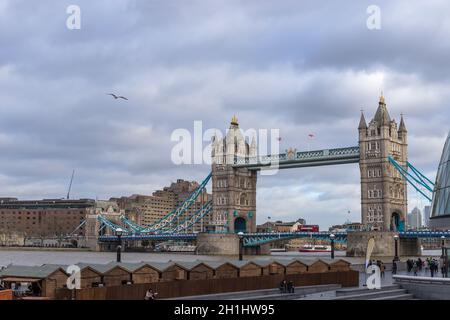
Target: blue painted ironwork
(300, 159)
(133, 226)
(256, 239)
(166, 223)
(170, 217)
(108, 223)
(79, 226)
(189, 221)
(424, 234)
(415, 178)
(155, 237)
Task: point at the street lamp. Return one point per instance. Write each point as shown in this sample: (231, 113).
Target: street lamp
(241, 238)
(119, 232)
(396, 248)
(332, 236)
(443, 245)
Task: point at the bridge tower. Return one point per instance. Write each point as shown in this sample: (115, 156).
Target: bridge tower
(383, 190)
(234, 189)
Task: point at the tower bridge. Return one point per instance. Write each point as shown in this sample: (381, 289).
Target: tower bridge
(382, 156)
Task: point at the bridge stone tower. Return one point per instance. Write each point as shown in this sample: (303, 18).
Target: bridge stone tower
(383, 190)
(234, 189)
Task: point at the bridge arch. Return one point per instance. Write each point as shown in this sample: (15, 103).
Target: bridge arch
(240, 225)
(397, 223)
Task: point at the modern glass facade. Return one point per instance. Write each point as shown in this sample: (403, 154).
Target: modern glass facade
(441, 197)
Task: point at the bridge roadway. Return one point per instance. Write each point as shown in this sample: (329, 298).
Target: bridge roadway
(256, 239)
(294, 159)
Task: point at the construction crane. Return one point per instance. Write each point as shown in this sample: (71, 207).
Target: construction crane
(70, 185)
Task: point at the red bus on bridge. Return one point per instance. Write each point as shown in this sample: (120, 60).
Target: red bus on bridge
(308, 228)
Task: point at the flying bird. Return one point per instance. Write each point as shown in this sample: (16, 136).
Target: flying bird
(116, 97)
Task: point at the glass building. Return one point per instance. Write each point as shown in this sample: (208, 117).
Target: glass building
(440, 210)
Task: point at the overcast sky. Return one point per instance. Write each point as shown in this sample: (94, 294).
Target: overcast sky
(300, 66)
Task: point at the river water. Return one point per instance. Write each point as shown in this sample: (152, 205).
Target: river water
(37, 257)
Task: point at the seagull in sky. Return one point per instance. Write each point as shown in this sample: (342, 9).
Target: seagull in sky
(116, 97)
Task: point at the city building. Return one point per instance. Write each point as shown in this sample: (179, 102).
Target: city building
(414, 219)
(383, 190)
(147, 210)
(440, 208)
(348, 226)
(426, 215)
(280, 226)
(44, 218)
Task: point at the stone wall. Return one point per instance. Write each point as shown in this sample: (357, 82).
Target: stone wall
(425, 287)
(384, 244)
(217, 244)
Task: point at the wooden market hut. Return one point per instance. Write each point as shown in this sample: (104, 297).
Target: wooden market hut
(43, 280)
(247, 268)
(318, 266)
(223, 269)
(340, 265)
(198, 270)
(295, 266)
(113, 274)
(271, 267)
(172, 271)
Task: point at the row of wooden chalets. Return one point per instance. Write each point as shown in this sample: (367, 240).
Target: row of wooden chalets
(44, 281)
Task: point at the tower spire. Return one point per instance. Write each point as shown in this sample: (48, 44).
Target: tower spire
(382, 114)
(382, 98)
(234, 121)
(402, 127)
(362, 121)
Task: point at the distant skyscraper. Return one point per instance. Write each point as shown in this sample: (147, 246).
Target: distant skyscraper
(415, 219)
(426, 213)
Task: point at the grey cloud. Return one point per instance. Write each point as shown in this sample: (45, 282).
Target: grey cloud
(301, 67)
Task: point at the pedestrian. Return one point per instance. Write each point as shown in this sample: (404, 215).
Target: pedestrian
(291, 286)
(414, 268)
(442, 265)
(445, 268)
(409, 265)
(281, 286)
(432, 266)
(382, 269)
(394, 267)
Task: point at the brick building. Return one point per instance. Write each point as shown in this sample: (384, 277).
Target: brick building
(48, 217)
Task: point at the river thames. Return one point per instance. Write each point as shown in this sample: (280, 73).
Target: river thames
(38, 257)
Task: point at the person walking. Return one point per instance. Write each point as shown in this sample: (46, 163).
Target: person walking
(283, 286)
(290, 287)
(432, 266)
(414, 268)
(382, 269)
(409, 265)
